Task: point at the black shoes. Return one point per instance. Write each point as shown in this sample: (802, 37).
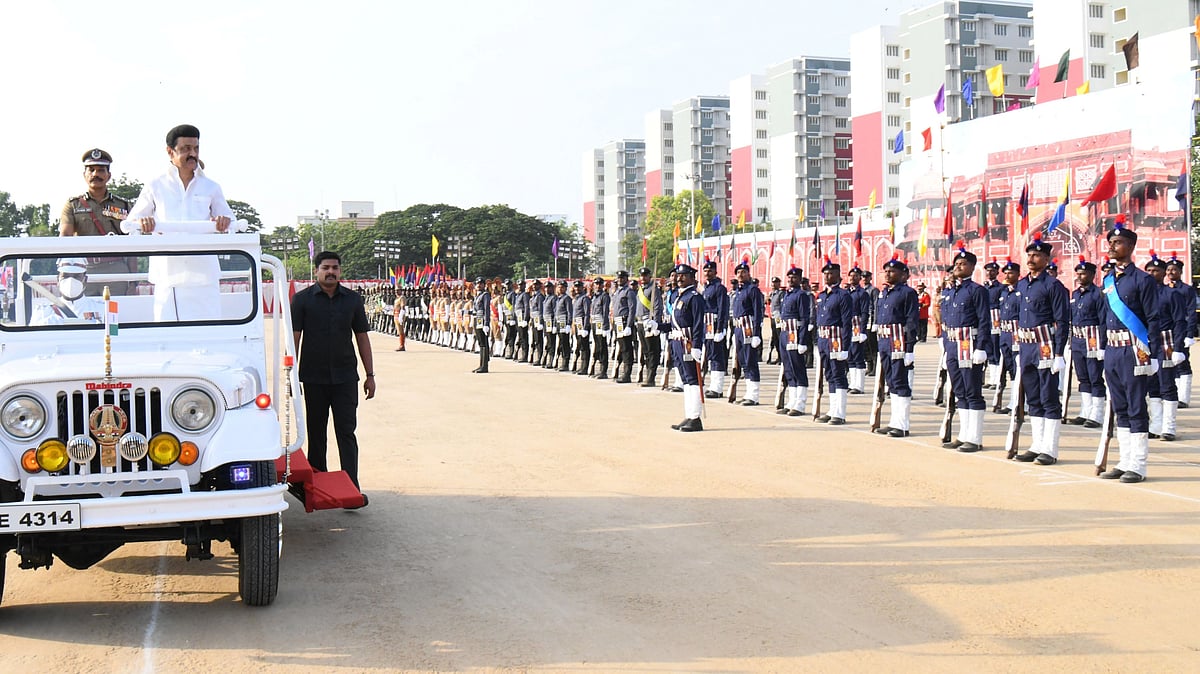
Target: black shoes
(1026, 456)
(364, 504)
(837, 421)
(1046, 460)
(823, 419)
(1112, 474)
(1129, 477)
(691, 425)
(675, 389)
(795, 413)
(1088, 423)
(749, 403)
(897, 433)
(953, 444)
(711, 394)
(969, 447)
(1077, 421)
(1168, 437)
(855, 391)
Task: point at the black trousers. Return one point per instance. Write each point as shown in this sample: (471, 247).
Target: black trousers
(651, 350)
(522, 343)
(625, 348)
(342, 400)
(484, 340)
(564, 351)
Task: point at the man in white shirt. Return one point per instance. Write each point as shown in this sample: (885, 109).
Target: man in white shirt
(73, 306)
(185, 287)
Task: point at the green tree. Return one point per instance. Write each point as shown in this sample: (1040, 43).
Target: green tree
(659, 228)
(125, 187)
(29, 220)
(244, 211)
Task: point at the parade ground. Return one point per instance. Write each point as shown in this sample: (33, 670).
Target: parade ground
(534, 520)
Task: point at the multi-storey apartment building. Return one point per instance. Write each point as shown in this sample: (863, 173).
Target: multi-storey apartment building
(700, 138)
(808, 130)
(877, 107)
(660, 155)
(614, 198)
(749, 159)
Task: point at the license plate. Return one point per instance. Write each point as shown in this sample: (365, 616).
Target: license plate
(32, 517)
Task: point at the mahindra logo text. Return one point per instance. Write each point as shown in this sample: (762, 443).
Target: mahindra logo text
(106, 386)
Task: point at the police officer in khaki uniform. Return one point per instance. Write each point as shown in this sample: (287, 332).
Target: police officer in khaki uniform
(98, 212)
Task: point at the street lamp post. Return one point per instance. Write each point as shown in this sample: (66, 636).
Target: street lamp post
(572, 250)
(387, 249)
(321, 218)
(459, 245)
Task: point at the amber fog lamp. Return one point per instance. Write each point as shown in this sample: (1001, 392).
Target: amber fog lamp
(164, 449)
(52, 455)
(29, 461)
(263, 401)
(188, 453)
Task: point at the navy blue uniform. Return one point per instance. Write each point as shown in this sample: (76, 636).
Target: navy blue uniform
(1010, 310)
(687, 321)
(965, 317)
(860, 303)
(795, 314)
(1172, 313)
(1189, 299)
(1086, 307)
(716, 320)
(896, 316)
(1042, 333)
(1127, 388)
(747, 310)
(995, 290)
(835, 326)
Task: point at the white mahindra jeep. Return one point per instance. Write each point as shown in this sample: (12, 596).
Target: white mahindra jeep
(161, 420)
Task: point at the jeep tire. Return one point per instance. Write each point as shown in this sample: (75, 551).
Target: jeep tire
(258, 551)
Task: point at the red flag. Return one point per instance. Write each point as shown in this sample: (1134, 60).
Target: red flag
(644, 251)
(858, 237)
(948, 223)
(1023, 208)
(1105, 189)
(927, 134)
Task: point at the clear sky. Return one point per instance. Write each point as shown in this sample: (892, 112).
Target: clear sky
(302, 105)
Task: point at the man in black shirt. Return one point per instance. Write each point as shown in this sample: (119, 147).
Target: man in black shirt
(326, 314)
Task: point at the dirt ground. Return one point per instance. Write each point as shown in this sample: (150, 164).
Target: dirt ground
(529, 520)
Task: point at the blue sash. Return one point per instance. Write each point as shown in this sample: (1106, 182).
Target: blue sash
(1130, 320)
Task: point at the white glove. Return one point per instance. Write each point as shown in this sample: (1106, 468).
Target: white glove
(697, 354)
(978, 357)
(523, 324)
(792, 347)
(1153, 366)
(1100, 354)
(1177, 357)
(756, 342)
(800, 348)
(718, 336)
(627, 332)
(674, 334)
(1057, 365)
(838, 355)
(583, 334)
(1188, 342)
(909, 359)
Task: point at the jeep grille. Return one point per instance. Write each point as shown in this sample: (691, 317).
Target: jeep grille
(143, 407)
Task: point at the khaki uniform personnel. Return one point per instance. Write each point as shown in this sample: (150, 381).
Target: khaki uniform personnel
(98, 212)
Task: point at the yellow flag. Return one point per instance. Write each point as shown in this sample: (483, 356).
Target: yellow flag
(435, 247)
(800, 216)
(1083, 89)
(995, 79)
(741, 223)
(675, 251)
(699, 225)
(871, 201)
(923, 243)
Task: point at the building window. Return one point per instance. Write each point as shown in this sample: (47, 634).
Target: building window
(760, 114)
(893, 193)
(1025, 31)
(843, 164)
(814, 185)
(1024, 81)
(762, 193)
(841, 143)
(893, 120)
(814, 79)
(968, 25)
(893, 97)
(761, 134)
(841, 81)
(814, 100)
(893, 169)
(814, 142)
(907, 54)
(761, 154)
(1097, 71)
(907, 78)
(1118, 15)
(707, 187)
(893, 73)
(1001, 54)
(1025, 55)
(668, 177)
(841, 123)
(706, 136)
(839, 101)
(1000, 29)
(968, 52)
(668, 159)
(908, 101)
(760, 95)
(814, 123)
(762, 173)
(1096, 40)
(893, 50)
(1095, 11)
(667, 126)
(668, 143)
(814, 164)
(842, 185)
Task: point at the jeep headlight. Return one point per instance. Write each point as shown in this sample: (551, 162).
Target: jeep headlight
(193, 410)
(23, 417)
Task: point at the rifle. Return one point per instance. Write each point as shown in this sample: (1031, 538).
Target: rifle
(939, 388)
(999, 397)
(737, 376)
(877, 404)
(820, 384)
(1106, 436)
(780, 389)
(1066, 392)
(1016, 419)
(948, 420)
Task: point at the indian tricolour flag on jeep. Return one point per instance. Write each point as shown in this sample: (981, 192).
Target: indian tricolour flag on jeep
(110, 318)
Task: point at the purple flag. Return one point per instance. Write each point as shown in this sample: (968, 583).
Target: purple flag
(939, 101)
(311, 251)
(554, 248)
